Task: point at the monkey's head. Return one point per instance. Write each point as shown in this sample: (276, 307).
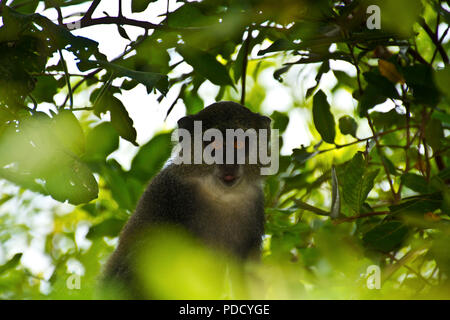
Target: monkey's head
(225, 142)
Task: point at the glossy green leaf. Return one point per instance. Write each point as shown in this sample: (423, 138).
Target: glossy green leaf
(149, 79)
(434, 134)
(101, 140)
(151, 157)
(348, 125)
(12, 263)
(108, 228)
(68, 131)
(442, 79)
(357, 182)
(415, 182)
(121, 121)
(206, 65)
(335, 195)
(72, 182)
(323, 118)
(140, 5)
(386, 236)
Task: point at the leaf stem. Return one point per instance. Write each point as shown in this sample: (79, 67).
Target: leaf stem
(244, 65)
(380, 152)
(66, 73)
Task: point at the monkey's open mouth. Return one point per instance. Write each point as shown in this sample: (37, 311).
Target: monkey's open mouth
(229, 179)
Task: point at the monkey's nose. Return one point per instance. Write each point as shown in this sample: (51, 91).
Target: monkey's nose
(229, 177)
(229, 174)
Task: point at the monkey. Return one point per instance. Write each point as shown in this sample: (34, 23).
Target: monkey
(221, 204)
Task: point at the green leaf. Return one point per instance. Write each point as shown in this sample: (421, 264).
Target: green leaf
(369, 99)
(12, 263)
(420, 79)
(434, 133)
(121, 121)
(26, 6)
(279, 45)
(140, 5)
(151, 157)
(442, 79)
(73, 182)
(46, 158)
(384, 87)
(441, 116)
(189, 15)
(418, 205)
(206, 65)
(68, 131)
(301, 155)
(389, 165)
(415, 182)
(122, 32)
(357, 182)
(304, 206)
(345, 80)
(193, 102)
(280, 120)
(335, 195)
(108, 228)
(277, 75)
(348, 125)
(116, 180)
(324, 68)
(238, 63)
(323, 118)
(45, 88)
(386, 237)
(100, 142)
(149, 79)
(387, 120)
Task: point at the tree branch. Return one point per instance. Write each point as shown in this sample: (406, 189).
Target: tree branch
(435, 40)
(363, 215)
(244, 65)
(91, 10)
(386, 170)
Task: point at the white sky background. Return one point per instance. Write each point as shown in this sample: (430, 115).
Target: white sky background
(148, 115)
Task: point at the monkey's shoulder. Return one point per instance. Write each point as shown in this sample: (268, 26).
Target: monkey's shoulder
(168, 196)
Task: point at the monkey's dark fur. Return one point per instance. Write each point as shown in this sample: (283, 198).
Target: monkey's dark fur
(222, 214)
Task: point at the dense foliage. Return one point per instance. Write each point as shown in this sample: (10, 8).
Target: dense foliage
(346, 202)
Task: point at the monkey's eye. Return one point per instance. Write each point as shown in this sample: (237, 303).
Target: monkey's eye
(239, 144)
(216, 145)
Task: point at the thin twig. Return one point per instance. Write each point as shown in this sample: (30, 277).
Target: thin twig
(69, 87)
(120, 9)
(363, 215)
(435, 40)
(93, 73)
(338, 146)
(244, 65)
(35, 105)
(409, 268)
(91, 9)
(380, 152)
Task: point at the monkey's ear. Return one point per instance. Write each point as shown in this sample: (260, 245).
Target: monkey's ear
(186, 122)
(265, 121)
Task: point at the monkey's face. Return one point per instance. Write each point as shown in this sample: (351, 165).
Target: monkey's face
(224, 140)
(230, 174)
